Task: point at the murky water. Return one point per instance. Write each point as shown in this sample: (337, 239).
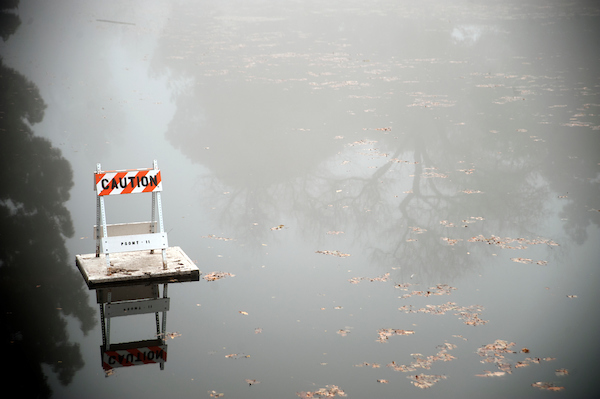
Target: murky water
(406, 192)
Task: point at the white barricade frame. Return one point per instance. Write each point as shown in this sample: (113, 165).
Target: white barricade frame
(127, 237)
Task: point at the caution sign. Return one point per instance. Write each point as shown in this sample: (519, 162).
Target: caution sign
(131, 181)
(133, 356)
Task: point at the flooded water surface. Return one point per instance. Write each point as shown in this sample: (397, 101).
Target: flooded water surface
(384, 198)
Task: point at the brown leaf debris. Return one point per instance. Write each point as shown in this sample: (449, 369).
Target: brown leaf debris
(424, 380)
(547, 386)
(213, 276)
(334, 253)
(329, 392)
(385, 333)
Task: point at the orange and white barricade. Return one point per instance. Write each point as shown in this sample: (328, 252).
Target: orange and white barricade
(129, 237)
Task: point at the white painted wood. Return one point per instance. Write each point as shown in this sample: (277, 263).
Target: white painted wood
(125, 229)
(128, 308)
(136, 242)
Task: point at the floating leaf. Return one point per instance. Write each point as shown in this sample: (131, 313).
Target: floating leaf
(365, 364)
(356, 280)
(216, 276)
(172, 335)
(343, 332)
(385, 333)
(440, 289)
(334, 253)
(491, 374)
(451, 241)
(527, 260)
(236, 356)
(423, 362)
(425, 381)
(277, 227)
(503, 242)
(547, 386)
(417, 230)
(252, 382)
(214, 237)
(472, 192)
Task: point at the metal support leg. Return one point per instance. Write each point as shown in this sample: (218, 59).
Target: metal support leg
(156, 295)
(152, 219)
(98, 170)
(164, 315)
(107, 344)
(102, 322)
(103, 212)
(161, 227)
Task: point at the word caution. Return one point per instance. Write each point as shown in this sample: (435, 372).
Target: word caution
(128, 181)
(133, 357)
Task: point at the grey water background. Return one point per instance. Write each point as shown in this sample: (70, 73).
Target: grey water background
(405, 134)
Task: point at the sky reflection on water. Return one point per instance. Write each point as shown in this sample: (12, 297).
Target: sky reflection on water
(442, 143)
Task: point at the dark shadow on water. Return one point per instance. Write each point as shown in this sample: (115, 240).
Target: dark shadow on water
(39, 286)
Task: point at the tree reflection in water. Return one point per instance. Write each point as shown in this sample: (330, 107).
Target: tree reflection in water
(38, 284)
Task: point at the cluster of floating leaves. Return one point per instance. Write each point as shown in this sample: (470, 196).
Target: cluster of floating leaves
(451, 241)
(425, 380)
(547, 386)
(329, 392)
(217, 276)
(504, 242)
(465, 222)
(439, 289)
(356, 280)
(422, 362)
(469, 314)
(215, 394)
(495, 353)
(385, 333)
(334, 253)
(365, 364)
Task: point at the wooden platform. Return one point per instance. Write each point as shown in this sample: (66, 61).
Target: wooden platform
(137, 267)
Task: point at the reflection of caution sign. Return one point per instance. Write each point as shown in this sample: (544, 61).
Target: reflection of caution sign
(134, 354)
